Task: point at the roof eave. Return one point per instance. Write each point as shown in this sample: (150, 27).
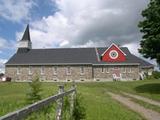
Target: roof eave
(117, 64)
(150, 66)
(26, 64)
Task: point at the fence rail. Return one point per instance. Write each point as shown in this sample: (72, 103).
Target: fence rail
(22, 113)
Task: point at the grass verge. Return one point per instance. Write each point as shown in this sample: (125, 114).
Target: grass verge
(99, 105)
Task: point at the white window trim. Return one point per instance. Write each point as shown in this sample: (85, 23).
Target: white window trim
(18, 70)
(30, 70)
(124, 70)
(68, 70)
(107, 70)
(130, 70)
(55, 70)
(82, 70)
(42, 70)
(102, 69)
(110, 54)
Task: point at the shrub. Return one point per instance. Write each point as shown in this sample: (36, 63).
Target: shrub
(156, 75)
(79, 111)
(34, 93)
(66, 109)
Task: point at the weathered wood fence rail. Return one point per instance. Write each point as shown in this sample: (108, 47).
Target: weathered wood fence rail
(24, 112)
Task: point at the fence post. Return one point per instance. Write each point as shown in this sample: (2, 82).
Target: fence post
(59, 104)
(72, 99)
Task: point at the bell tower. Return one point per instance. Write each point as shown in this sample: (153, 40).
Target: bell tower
(25, 42)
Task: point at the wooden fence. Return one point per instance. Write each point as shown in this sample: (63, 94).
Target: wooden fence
(24, 112)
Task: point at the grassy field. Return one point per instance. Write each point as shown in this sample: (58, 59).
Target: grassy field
(12, 95)
(99, 106)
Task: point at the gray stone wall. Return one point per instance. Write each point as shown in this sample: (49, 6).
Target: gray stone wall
(61, 73)
(90, 73)
(75, 73)
(147, 70)
(127, 72)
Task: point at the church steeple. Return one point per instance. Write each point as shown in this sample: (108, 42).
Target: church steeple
(25, 42)
(26, 35)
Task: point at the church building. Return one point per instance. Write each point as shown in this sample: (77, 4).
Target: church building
(75, 64)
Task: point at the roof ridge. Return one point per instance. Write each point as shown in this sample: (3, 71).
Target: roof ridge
(71, 48)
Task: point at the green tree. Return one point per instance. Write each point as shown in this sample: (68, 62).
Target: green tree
(79, 111)
(34, 93)
(150, 27)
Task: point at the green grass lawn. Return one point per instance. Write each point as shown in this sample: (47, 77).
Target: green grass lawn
(12, 95)
(99, 106)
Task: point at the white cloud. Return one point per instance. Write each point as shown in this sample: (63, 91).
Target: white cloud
(89, 23)
(6, 44)
(133, 48)
(15, 10)
(5, 47)
(64, 43)
(2, 62)
(3, 43)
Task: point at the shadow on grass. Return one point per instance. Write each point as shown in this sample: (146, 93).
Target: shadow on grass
(153, 88)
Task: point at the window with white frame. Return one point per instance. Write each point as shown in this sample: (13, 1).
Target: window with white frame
(102, 69)
(18, 70)
(82, 70)
(124, 69)
(107, 69)
(42, 70)
(55, 70)
(130, 70)
(68, 70)
(30, 70)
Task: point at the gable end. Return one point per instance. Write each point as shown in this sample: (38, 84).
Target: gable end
(113, 54)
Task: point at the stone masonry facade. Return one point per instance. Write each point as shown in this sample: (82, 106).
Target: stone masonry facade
(71, 73)
(105, 73)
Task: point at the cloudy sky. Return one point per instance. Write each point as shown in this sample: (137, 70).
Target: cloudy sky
(70, 23)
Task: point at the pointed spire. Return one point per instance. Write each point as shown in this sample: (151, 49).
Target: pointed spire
(26, 35)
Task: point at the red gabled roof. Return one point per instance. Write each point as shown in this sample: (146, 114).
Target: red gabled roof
(110, 47)
(113, 54)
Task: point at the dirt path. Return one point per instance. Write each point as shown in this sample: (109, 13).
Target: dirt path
(146, 113)
(150, 101)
